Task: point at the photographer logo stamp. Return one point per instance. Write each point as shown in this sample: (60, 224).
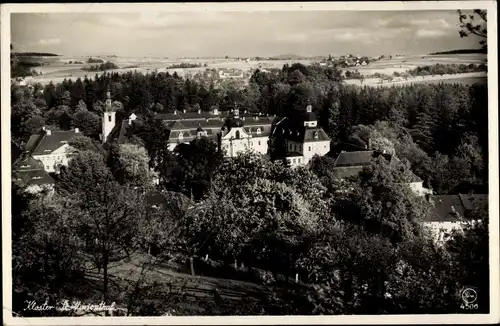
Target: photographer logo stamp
(469, 296)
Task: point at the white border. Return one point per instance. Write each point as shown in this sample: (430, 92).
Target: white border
(493, 317)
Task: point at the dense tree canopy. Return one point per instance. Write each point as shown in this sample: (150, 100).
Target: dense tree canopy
(357, 244)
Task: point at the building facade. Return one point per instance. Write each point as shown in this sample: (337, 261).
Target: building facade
(452, 212)
(301, 137)
(232, 131)
(51, 148)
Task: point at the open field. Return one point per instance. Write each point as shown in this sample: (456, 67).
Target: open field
(466, 79)
(61, 69)
(404, 63)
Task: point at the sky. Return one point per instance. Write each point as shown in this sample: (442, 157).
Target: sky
(239, 34)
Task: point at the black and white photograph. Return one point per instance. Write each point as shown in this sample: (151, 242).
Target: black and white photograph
(250, 160)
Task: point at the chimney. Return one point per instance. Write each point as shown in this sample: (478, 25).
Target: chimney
(175, 112)
(48, 132)
(199, 111)
(77, 130)
(184, 111)
(309, 108)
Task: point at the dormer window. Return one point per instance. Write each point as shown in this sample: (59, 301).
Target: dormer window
(258, 131)
(36, 178)
(181, 135)
(64, 141)
(316, 136)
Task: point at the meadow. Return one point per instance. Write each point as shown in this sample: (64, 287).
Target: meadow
(61, 69)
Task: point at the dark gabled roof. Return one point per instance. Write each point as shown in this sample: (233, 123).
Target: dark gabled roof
(469, 201)
(28, 164)
(265, 130)
(305, 134)
(33, 142)
(450, 208)
(15, 152)
(294, 154)
(354, 159)
(49, 143)
(309, 116)
(212, 123)
(258, 120)
(35, 177)
(347, 171)
(190, 115)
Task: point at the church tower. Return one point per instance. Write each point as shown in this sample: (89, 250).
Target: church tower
(108, 119)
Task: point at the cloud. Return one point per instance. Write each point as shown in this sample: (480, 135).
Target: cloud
(51, 41)
(430, 33)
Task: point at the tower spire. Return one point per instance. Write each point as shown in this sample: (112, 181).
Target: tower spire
(108, 100)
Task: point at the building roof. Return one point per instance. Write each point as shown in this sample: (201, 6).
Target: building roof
(190, 115)
(354, 159)
(28, 164)
(46, 144)
(15, 152)
(35, 177)
(294, 154)
(350, 164)
(310, 116)
(450, 208)
(305, 134)
(347, 171)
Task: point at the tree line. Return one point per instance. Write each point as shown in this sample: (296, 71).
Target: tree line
(446, 124)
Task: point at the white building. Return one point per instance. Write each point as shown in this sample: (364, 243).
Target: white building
(452, 212)
(51, 148)
(301, 137)
(109, 118)
(350, 164)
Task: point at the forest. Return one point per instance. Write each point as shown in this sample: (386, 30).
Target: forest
(358, 245)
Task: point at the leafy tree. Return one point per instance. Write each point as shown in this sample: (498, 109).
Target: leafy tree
(470, 251)
(105, 212)
(190, 170)
(89, 123)
(129, 164)
(46, 259)
(474, 24)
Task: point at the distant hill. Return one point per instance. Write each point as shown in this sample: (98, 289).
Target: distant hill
(461, 51)
(287, 57)
(35, 54)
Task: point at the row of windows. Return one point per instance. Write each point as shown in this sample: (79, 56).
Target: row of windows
(295, 160)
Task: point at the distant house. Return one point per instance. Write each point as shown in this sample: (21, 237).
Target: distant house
(350, 164)
(451, 212)
(30, 173)
(50, 148)
(363, 63)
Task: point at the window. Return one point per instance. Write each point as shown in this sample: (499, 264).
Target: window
(258, 131)
(300, 160)
(316, 135)
(47, 167)
(259, 142)
(237, 134)
(309, 148)
(293, 160)
(109, 118)
(181, 135)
